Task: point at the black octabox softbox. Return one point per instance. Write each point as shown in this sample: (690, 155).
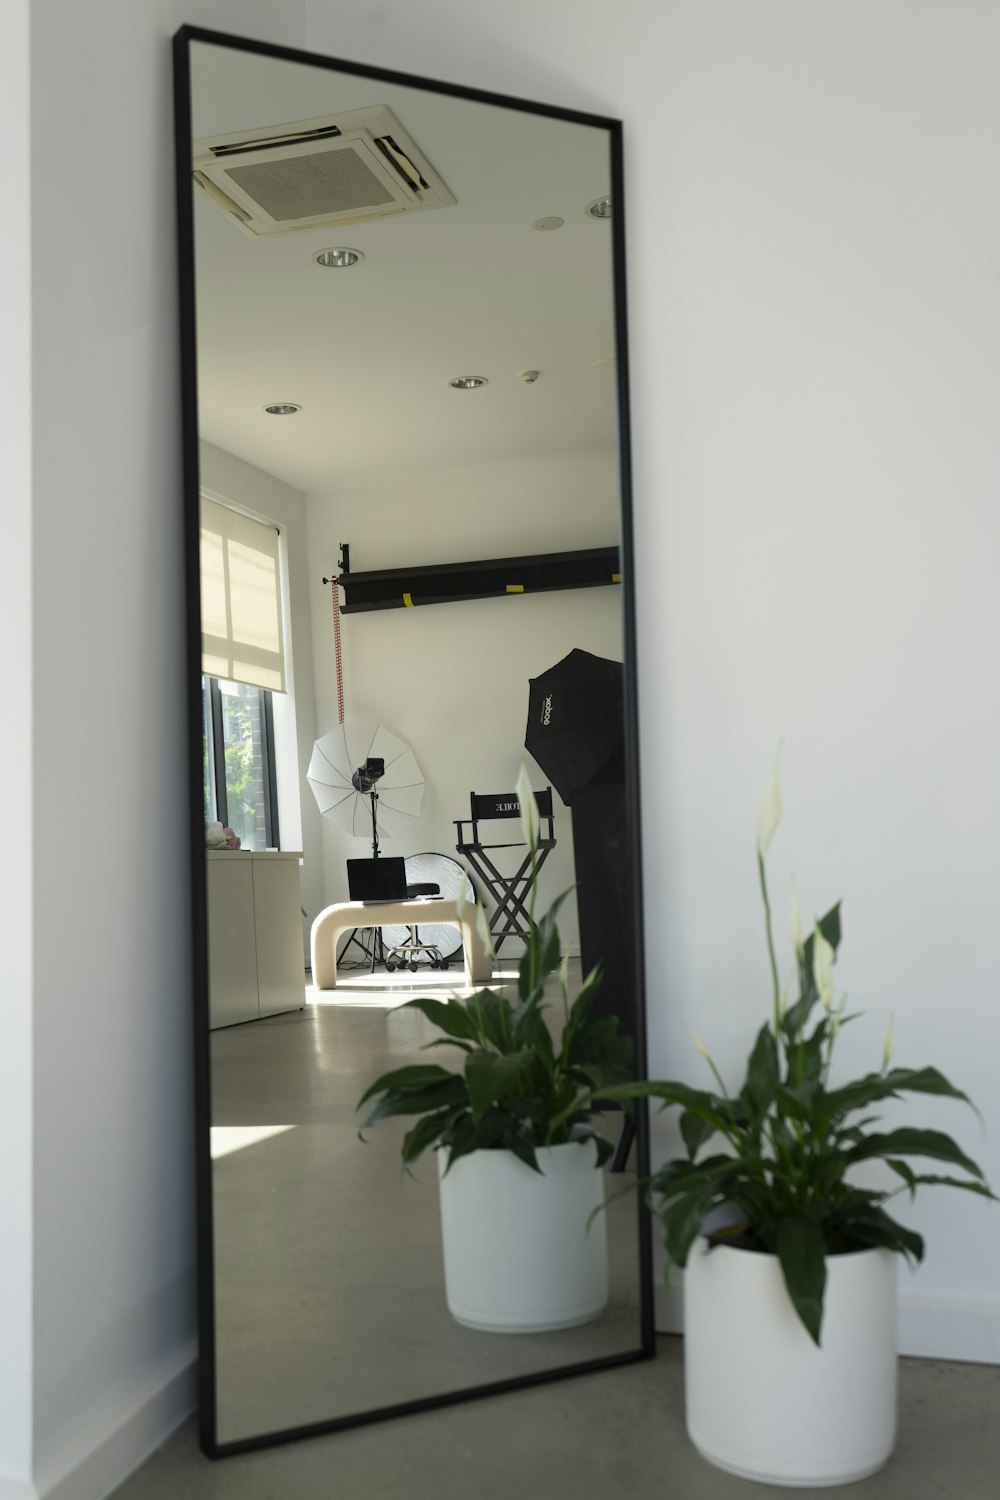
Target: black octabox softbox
(575, 728)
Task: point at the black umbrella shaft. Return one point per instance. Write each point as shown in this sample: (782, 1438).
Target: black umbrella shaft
(374, 796)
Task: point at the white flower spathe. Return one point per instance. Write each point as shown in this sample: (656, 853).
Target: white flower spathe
(483, 928)
(769, 812)
(887, 1049)
(529, 808)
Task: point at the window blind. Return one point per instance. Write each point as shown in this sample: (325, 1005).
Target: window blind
(241, 638)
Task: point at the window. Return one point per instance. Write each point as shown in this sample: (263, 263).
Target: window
(241, 603)
(238, 761)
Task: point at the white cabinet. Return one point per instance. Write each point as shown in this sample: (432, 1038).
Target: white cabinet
(255, 963)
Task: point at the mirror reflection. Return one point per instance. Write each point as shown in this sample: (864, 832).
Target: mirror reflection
(411, 598)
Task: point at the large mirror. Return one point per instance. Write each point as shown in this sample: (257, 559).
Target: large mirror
(409, 566)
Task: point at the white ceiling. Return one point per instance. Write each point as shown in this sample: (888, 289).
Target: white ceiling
(471, 289)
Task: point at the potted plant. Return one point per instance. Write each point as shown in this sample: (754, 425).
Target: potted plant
(519, 1157)
(790, 1257)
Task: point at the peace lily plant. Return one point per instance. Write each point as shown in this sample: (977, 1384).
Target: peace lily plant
(518, 1089)
(781, 1151)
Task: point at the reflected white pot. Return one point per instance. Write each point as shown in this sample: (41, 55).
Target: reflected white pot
(518, 1255)
(762, 1400)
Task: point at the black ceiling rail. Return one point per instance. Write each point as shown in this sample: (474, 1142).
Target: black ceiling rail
(488, 578)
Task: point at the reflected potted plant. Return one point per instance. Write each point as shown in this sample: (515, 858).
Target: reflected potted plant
(519, 1157)
(790, 1256)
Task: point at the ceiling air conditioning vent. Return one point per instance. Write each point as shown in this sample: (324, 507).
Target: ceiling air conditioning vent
(342, 169)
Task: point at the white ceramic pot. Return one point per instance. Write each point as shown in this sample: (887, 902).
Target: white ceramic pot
(762, 1400)
(518, 1255)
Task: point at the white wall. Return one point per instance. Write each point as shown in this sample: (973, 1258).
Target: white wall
(230, 478)
(16, 744)
(451, 680)
(823, 339)
(113, 1266)
(813, 264)
(814, 251)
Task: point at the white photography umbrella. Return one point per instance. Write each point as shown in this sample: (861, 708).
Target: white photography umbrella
(342, 789)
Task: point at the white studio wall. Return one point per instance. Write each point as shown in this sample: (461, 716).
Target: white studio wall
(813, 232)
(452, 679)
(111, 1226)
(16, 746)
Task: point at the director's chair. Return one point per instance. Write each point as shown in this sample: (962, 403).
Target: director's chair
(510, 892)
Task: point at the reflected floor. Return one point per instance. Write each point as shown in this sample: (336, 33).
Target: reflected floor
(329, 1277)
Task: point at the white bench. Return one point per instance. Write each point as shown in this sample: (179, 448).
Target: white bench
(346, 915)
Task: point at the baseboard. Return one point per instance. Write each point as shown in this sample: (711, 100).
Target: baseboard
(947, 1328)
(101, 1460)
(929, 1327)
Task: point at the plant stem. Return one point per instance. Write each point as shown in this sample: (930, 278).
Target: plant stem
(775, 986)
(717, 1076)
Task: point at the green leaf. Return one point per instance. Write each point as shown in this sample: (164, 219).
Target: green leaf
(805, 1057)
(418, 1101)
(873, 1226)
(605, 1150)
(904, 1170)
(450, 1016)
(493, 1014)
(930, 1180)
(418, 1076)
(887, 1086)
(829, 926)
(528, 1029)
(541, 952)
(798, 1014)
(695, 1132)
(583, 1003)
(599, 1045)
(525, 1151)
(491, 1078)
(723, 1174)
(427, 1132)
(912, 1142)
(849, 1203)
(718, 1113)
(762, 1075)
(681, 1221)
(797, 1102)
(801, 1252)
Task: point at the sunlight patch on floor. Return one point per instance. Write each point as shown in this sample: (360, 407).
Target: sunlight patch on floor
(229, 1138)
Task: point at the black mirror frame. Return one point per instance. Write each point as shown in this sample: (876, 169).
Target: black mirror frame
(190, 439)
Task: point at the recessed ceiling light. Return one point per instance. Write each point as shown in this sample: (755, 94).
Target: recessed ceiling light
(338, 257)
(282, 409)
(600, 208)
(468, 382)
(552, 221)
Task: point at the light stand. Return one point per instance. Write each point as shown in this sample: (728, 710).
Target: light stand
(364, 780)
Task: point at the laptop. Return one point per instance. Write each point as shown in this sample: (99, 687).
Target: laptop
(372, 880)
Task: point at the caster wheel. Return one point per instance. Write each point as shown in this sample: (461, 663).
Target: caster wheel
(390, 967)
(414, 967)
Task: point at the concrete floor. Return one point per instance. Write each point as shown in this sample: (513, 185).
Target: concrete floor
(293, 1081)
(330, 1297)
(619, 1433)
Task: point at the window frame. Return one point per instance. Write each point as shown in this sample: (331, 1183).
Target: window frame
(217, 759)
